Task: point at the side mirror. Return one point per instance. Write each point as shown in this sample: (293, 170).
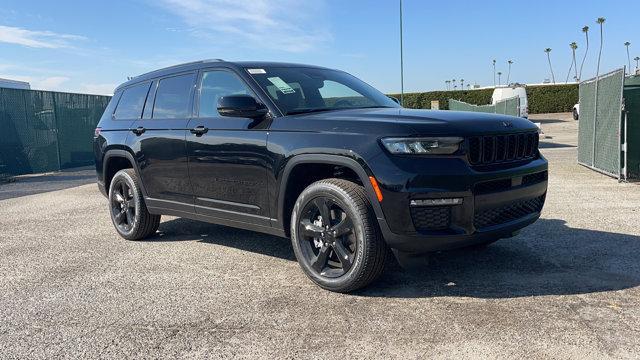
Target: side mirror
(394, 99)
(244, 106)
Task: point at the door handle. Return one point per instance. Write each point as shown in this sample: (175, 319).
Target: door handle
(199, 130)
(139, 130)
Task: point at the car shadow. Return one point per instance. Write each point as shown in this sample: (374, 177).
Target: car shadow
(552, 145)
(182, 229)
(547, 258)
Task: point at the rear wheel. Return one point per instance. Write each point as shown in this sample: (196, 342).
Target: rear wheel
(575, 114)
(335, 236)
(128, 211)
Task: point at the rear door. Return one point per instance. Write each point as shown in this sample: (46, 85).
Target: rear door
(158, 140)
(228, 162)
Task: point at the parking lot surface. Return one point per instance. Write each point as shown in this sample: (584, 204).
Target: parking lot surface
(566, 287)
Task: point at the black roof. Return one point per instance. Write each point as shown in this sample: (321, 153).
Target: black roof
(194, 65)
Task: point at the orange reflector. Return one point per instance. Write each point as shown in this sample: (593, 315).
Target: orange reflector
(376, 188)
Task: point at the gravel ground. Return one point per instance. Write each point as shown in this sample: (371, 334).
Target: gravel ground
(566, 287)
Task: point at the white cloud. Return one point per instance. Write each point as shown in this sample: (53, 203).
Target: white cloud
(98, 89)
(287, 25)
(52, 83)
(49, 83)
(37, 39)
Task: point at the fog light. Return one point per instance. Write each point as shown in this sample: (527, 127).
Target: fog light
(436, 202)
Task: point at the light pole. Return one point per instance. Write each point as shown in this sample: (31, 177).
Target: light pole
(401, 60)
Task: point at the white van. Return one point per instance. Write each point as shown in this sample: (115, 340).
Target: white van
(506, 92)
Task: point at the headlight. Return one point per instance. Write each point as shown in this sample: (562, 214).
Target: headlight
(426, 146)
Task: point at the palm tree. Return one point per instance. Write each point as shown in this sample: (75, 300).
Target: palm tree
(573, 47)
(469, 85)
(585, 30)
(494, 72)
(548, 51)
(600, 21)
(462, 84)
(510, 62)
(454, 83)
(637, 59)
(499, 75)
(628, 57)
(447, 82)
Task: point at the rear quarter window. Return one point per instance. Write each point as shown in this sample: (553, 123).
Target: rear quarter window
(131, 102)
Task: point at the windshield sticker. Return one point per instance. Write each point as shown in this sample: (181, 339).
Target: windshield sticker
(256, 71)
(281, 85)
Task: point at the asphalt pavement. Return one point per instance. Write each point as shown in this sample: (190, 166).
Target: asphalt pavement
(566, 287)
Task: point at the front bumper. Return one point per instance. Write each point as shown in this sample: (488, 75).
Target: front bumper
(495, 204)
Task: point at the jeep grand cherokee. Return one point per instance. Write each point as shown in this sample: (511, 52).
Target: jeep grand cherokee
(317, 156)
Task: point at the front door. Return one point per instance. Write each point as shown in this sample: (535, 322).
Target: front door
(227, 155)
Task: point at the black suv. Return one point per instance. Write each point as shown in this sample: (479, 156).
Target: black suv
(318, 156)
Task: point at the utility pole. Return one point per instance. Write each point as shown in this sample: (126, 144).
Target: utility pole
(401, 61)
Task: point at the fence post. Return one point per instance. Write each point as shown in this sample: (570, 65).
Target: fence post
(57, 131)
(595, 119)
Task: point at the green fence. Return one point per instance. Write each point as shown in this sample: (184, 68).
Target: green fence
(631, 127)
(46, 131)
(509, 106)
(600, 127)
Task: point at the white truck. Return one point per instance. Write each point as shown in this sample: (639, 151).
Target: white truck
(505, 92)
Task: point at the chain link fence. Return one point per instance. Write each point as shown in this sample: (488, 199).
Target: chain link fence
(509, 106)
(600, 127)
(44, 131)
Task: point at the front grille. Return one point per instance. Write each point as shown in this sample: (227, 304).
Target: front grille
(493, 186)
(486, 150)
(431, 218)
(534, 178)
(504, 214)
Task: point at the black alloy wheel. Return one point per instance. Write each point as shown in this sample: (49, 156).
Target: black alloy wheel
(326, 237)
(335, 235)
(123, 206)
(128, 211)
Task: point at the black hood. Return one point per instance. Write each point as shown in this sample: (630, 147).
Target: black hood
(419, 122)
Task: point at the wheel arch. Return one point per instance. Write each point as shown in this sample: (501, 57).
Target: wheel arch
(360, 169)
(116, 156)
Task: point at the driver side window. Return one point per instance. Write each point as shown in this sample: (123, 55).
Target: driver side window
(216, 84)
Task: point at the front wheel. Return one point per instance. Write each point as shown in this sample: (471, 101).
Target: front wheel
(335, 236)
(575, 114)
(129, 213)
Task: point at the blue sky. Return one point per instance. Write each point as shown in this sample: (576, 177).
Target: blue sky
(92, 46)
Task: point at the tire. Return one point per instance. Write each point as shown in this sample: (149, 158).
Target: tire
(128, 211)
(351, 231)
(575, 114)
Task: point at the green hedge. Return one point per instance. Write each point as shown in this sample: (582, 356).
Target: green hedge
(542, 98)
(423, 100)
(552, 99)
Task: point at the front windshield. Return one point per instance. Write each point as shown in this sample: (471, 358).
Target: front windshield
(297, 90)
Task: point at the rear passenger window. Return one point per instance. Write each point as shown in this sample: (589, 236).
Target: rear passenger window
(172, 97)
(132, 101)
(216, 84)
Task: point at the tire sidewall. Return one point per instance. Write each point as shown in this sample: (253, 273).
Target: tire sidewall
(343, 200)
(121, 176)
